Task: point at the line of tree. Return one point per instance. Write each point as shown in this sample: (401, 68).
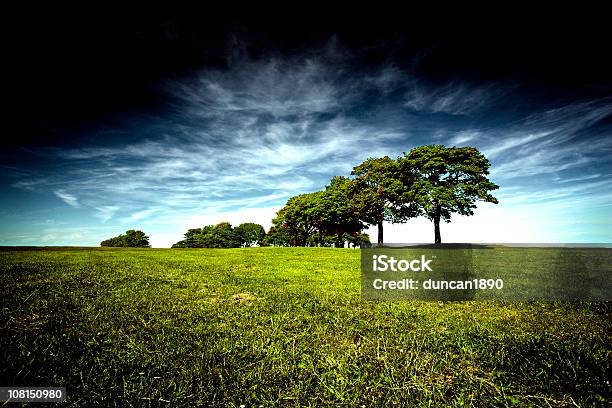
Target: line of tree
(223, 235)
(131, 238)
(432, 181)
(322, 218)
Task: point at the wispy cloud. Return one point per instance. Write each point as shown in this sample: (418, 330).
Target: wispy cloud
(254, 134)
(463, 137)
(450, 98)
(69, 199)
(106, 212)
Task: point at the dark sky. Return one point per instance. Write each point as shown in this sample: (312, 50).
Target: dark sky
(149, 118)
(76, 68)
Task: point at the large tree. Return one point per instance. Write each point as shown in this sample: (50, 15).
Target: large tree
(378, 193)
(445, 180)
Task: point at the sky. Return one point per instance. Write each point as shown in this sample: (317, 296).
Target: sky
(179, 119)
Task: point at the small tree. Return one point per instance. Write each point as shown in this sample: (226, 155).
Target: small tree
(446, 180)
(136, 239)
(359, 239)
(250, 234)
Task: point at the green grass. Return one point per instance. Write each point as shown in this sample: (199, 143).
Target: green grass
(280, 326)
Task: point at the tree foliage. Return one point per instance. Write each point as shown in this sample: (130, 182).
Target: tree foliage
(131, 238)
(222, 235)
(446, 180)
(339, 215)
(322, 218)
(250, 234)
(278, 235)
(378, 193)
(300, 218)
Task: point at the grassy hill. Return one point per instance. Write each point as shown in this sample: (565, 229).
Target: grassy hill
(280, 326)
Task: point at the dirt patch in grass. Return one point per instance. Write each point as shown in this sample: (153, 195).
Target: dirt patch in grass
(243, 298)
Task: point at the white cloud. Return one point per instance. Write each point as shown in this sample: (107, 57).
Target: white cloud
(140, 215)
(69, 199)
(464, 136)
(510, 142)
(105, 213)
(450, 98)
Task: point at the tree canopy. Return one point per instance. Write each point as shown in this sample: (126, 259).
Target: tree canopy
(131, 238)
(446, 180)
(378, 193)
(322, 218)
(250, 234)
(300, 218)
(434, 181)
(223, 235)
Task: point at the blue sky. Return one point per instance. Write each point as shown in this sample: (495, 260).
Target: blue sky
(233, 143)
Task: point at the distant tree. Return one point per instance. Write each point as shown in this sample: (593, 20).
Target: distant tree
(322, 239)
(113, 242)
(131, 238)
(194, 238)
(250, 234)
(136, 239)
(379, 194)
(224, 236)
(221, 235)
(445, 180)
(180, 244)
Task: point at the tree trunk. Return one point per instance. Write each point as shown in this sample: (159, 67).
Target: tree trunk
(438, 237)
(380, 234)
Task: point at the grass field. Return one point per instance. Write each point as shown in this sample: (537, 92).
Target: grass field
(280, 326)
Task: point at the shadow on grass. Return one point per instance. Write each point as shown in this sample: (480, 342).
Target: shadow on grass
(441, 246)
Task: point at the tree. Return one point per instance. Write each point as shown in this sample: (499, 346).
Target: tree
(278, 235)
(358, 239)
(322, 218)
(445, 180)
(221, 235)
(131, 238)
(300, 218)
(378, 194)
(338, 215)
(250, 234)
(224, 236)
